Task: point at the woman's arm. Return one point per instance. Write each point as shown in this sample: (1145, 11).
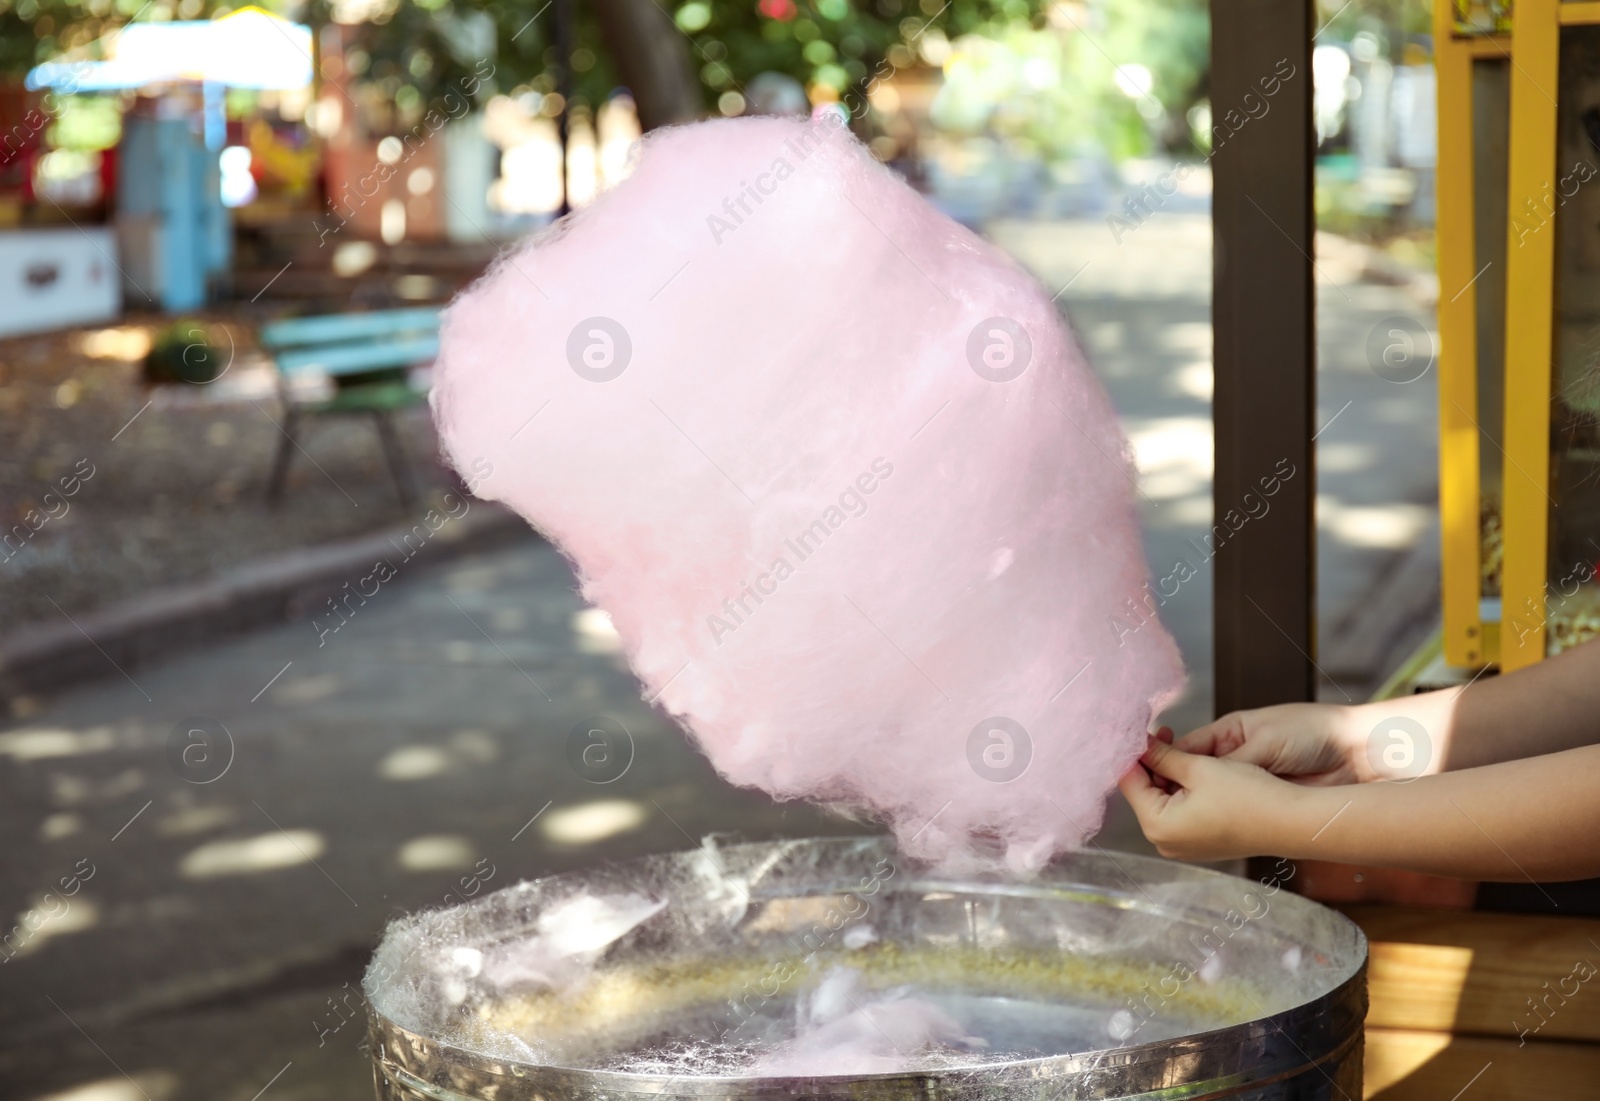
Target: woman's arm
(1530, 820)
(1545, 708)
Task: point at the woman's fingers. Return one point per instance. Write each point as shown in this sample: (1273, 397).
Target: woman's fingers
(1167, 787)
(1170, 762)
(1203, 741)
(1223, 810)
(1217, 738)
(1141, 793)
(1264, 750)
(1304, 755)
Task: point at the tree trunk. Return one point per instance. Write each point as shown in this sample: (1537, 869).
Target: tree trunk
(653, 59)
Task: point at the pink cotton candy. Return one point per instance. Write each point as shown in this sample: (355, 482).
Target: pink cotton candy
(861, 513)
(842, 1028)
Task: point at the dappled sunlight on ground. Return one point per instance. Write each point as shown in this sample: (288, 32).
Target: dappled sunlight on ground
(436, 853)
(125, 342)
(306, 689)
(463, 749)
(594, 632)
(149, 1085)
(1195, 380)
(414, 762)
(1392, 527)
(476, 747)
(57, 827)
(189, 821)
(1347, 458)
(590, 822)
(38, 743)
(472, 579)
(1174, 455)
(265, 852)
(1190, 338)
(50, 916)
(71, 790)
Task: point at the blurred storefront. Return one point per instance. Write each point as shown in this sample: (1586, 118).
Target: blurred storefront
(134, 152)
(190, 160)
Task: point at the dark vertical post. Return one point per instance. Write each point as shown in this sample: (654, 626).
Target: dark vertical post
(564, 89)
(1263, 321)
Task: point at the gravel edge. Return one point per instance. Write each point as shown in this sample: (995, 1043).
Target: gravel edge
(131, 633)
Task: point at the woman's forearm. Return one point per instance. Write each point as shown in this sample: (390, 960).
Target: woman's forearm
(1546, 708)
(1527, 820)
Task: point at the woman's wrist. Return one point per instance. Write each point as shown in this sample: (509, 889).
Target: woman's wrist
(1275, 816)
(1306, 827)
(1399, 739)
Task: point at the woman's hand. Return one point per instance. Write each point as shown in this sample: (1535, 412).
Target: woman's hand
(1307, 743)
(1220, 809)
(1534, 820)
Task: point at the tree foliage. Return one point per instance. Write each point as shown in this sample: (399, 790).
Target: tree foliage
(834, 44)
(32, 31)
(408, 54)
(1116, 79)
(430, 46)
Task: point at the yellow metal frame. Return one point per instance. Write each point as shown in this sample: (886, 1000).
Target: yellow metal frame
(1461, 548)
(1530, 325)
(1488, 45)
(1519, 640)
(1579, 13)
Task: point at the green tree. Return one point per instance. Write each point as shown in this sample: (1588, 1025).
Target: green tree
(409, 53)
(32, 31)
(1113, 78)
(834, 43)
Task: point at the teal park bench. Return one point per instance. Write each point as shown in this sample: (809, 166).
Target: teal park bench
(367, 356)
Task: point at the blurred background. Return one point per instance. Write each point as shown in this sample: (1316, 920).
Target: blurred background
(243, 774)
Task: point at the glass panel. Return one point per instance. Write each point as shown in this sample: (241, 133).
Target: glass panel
(1491, 128)
(1573, 201)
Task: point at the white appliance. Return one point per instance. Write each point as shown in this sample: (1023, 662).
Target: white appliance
(55, 278)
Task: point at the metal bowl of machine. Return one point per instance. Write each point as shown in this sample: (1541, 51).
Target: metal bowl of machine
(835, 968)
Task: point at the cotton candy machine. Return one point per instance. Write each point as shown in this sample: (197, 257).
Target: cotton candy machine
(836, 969)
